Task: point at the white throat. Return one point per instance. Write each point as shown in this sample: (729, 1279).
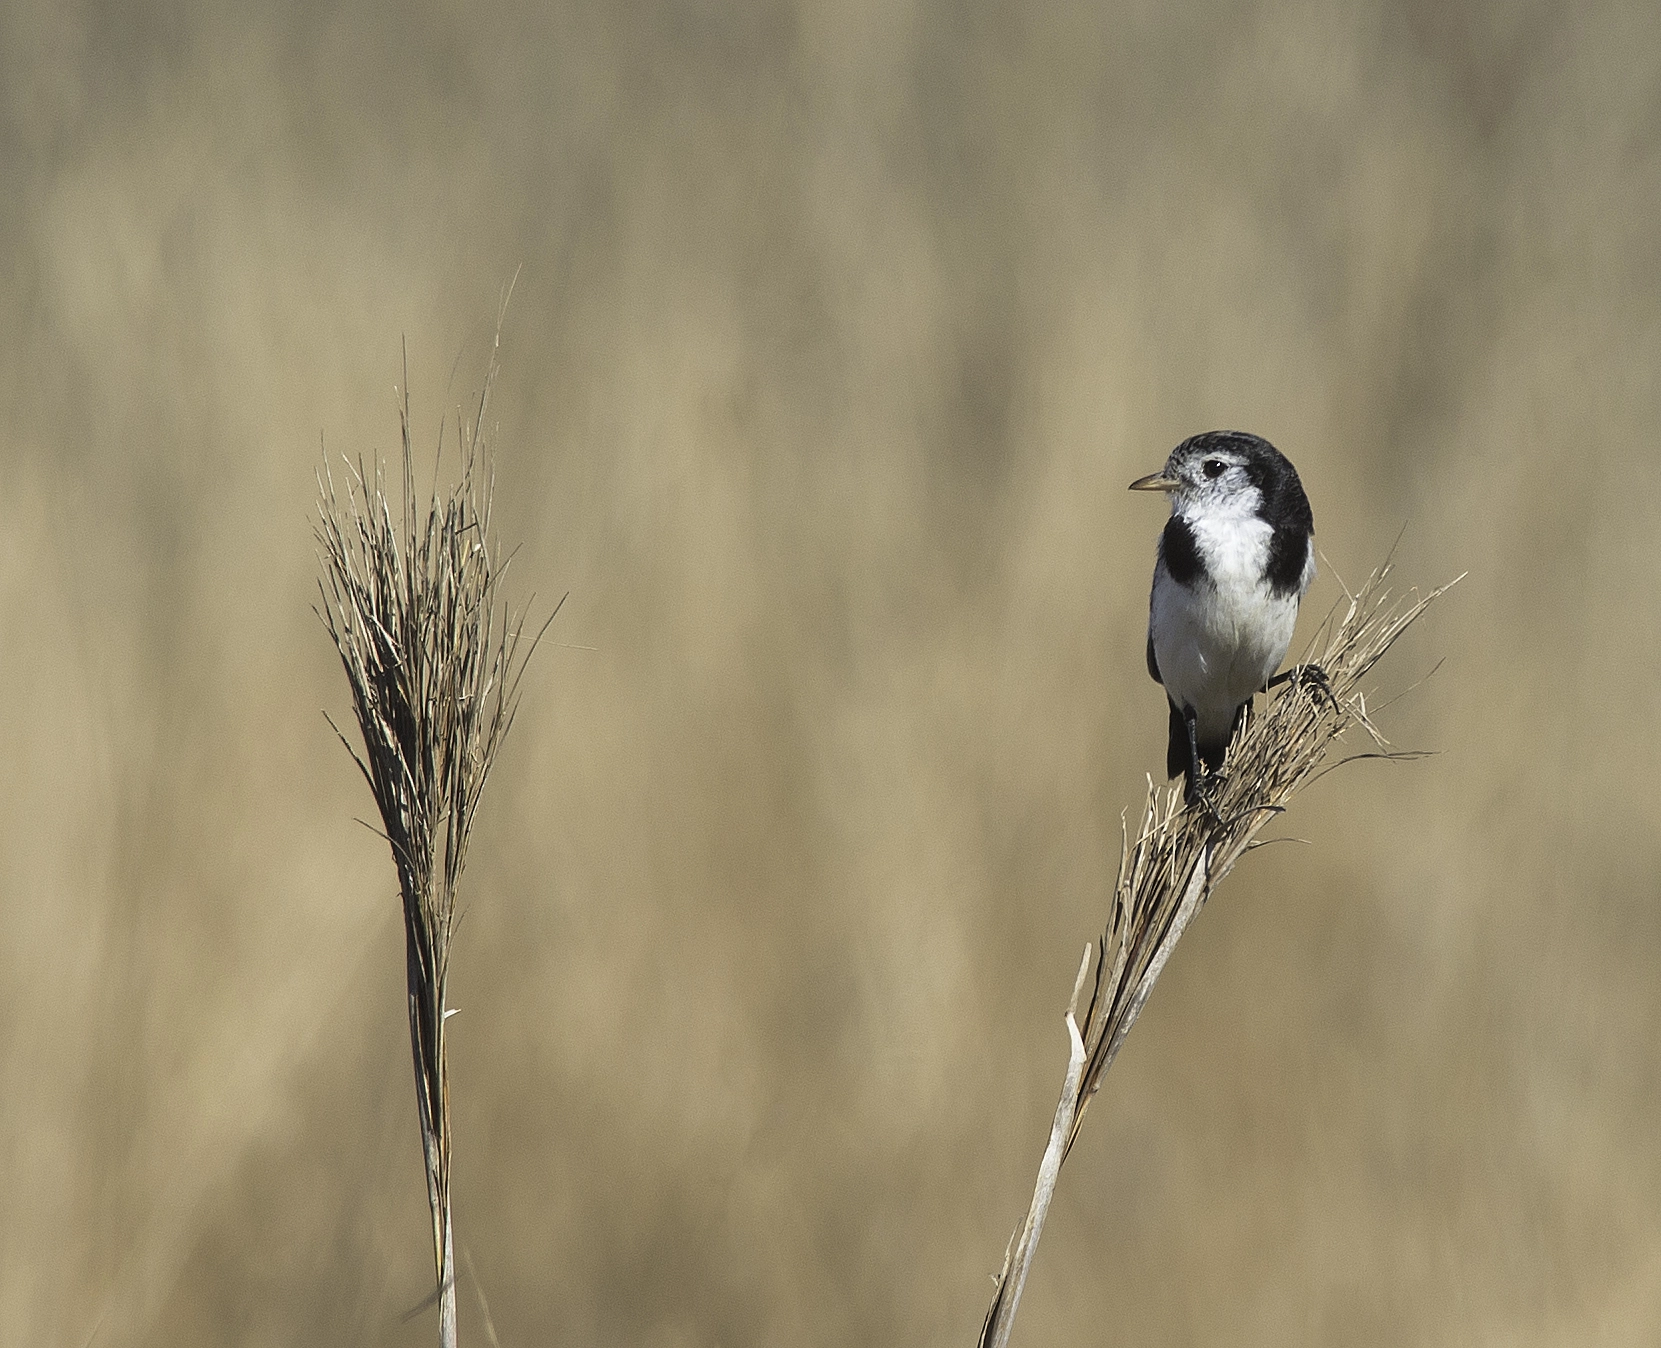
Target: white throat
(1232, 542)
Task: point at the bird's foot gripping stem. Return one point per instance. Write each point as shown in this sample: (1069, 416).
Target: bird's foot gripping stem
(1308, 676)
(1203, 792)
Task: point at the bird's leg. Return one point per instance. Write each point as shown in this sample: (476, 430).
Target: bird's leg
(1200, 784)
(1307, 676)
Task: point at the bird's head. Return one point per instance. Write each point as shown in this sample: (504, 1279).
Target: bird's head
(1227, 474)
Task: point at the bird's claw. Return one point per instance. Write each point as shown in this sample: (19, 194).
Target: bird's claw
(1204, 793)
(1310, 676)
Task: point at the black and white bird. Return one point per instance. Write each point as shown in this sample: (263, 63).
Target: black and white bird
(1236, 557)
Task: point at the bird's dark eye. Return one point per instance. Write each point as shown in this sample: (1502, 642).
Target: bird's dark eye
(1215, 468)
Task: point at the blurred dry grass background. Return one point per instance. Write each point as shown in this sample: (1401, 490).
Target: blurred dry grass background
(841, 330)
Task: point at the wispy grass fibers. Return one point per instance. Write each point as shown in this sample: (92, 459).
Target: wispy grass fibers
(411, 596)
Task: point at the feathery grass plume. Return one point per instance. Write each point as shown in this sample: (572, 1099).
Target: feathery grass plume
(411, 597)
(1180, 854)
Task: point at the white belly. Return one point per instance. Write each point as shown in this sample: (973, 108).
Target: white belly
(1220, 642)
(1216, 649)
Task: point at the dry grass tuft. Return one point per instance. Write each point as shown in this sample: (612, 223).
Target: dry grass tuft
(411, 598)
(1180, 854)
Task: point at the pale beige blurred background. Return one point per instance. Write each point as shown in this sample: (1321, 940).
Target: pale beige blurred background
(841, 329)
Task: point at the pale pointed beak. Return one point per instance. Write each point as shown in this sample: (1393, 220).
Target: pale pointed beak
(1157, 482)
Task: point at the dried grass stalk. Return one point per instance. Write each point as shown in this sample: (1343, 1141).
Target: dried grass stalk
(1180, 854)
(411, 598)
